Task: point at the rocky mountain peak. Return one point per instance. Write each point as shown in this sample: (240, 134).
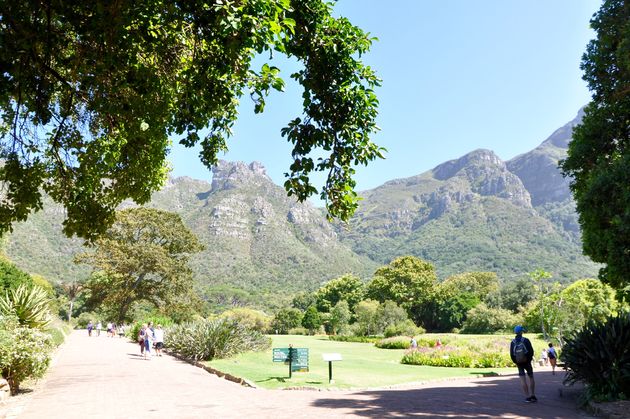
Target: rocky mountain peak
(478, 157)
(538, 169)
(486, 174)
(562, 136)
(230, 175)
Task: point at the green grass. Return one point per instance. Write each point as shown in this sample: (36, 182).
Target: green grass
(363, 365)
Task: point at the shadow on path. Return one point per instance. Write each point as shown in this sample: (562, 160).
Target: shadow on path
(480, 398)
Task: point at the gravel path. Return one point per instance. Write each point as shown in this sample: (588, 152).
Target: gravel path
(106, 378)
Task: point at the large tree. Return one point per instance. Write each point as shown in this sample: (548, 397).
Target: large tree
(347, 287)
(599, 155)
(408, 281)
(91, 92)
(142, 257)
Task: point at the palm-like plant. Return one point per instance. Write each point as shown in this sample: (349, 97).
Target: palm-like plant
(29, 304)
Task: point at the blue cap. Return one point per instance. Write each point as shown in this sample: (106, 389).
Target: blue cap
(519, 329)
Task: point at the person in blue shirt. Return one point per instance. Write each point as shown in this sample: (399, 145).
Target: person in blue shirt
(522, 353)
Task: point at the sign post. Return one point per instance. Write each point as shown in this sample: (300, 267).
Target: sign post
(330, 358)
(296, 358)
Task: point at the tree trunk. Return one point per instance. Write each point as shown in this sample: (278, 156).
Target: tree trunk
(70, 311)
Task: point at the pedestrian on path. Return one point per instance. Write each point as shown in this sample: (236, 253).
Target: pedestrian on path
(553, 357)
(90, 326)
(141, 335)
(158, 335)
(148, 342)
(543, 357)
(522, 353)
(99, 326)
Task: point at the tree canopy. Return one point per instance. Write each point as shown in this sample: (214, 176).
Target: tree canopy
(91, 93)
(142, 257)
(599, 155)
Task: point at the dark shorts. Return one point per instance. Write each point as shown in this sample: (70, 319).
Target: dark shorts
(159, 345)
(522, 368)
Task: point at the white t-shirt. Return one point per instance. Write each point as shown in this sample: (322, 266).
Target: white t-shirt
(159, 335)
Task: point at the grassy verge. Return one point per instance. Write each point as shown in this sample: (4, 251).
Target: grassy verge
(363, 365)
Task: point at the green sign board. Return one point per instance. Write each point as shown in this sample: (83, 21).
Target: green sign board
(280, 354)
(299, 361)
(297, 357)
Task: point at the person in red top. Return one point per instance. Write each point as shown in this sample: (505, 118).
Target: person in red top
(522, 353)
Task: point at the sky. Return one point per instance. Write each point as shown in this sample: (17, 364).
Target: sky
(458, 75)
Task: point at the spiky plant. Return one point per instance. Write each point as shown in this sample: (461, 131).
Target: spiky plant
(209, 339)
(30, 304)
(599, 356)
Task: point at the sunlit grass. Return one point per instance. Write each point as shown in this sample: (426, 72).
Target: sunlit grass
(363, 365)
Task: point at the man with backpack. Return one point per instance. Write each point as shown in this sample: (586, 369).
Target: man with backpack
(522, 353)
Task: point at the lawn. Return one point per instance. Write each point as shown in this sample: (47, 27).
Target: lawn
(363, 365)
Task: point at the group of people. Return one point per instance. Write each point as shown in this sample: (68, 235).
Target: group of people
(522, 354)
(112, 329)
(151, 338)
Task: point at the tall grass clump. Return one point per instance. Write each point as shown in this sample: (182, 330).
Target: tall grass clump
(209, 339)
(599, 356)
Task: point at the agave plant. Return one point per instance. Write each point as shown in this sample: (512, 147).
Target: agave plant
(29, 304)
(599, 356)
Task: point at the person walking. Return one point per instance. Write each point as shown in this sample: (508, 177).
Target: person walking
(99, 326)
(148, 342)
(141, 336)
(158, 336)
(553, 358)
(543, 357)
(90, 326)
(522, 353)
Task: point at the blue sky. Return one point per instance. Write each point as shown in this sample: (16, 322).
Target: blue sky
(457, 75)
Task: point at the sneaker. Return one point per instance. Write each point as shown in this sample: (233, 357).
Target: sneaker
(533, 399)
(528, 400)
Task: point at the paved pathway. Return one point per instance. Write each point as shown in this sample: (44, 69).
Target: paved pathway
(106, 378)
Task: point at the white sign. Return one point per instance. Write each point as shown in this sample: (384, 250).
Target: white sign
(331, 357)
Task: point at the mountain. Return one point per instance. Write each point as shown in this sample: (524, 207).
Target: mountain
(257, 239)
(479, 213)
(472, 213)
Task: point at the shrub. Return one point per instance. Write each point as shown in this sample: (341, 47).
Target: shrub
(252, 319)
(24, 352)
(209, 339)
(405, 328)
(84, 318)
(483, 319)
(397, 342)
(457, 357)
(599, 356)
(299, 331)
(29, 304)
(359, 339)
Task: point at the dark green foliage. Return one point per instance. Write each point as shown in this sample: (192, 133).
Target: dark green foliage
(285, 320)
(598, 160)
(407, 281)
(483, 319)
(516, 294)
(311, 319)
(81, 103)
(11, 276)
(204, 340)
(348, 288)
(599, 356)
(452, 312)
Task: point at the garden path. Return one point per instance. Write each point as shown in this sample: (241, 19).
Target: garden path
(102, 377)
